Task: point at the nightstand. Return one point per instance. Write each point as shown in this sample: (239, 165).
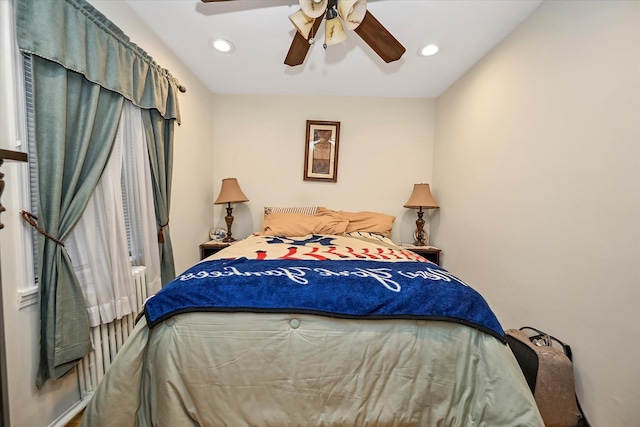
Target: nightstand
(211, 247)
(429, 252)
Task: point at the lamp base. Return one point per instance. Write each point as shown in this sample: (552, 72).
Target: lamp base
(420, 235)
(420, 242)
(229, 220)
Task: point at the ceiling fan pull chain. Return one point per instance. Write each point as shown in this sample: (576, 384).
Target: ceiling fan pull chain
(312, 37)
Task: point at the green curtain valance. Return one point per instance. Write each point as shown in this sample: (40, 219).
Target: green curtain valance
(75, 35)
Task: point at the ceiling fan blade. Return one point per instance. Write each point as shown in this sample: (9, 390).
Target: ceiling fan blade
(213, 1)
(379, 39)
(300, 46)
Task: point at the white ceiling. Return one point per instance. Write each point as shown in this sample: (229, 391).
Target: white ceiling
(465, 30)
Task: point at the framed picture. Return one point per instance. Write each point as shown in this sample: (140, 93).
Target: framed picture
(321, 151)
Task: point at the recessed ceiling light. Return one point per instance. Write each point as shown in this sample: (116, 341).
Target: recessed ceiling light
(428, 50)
(222, 45)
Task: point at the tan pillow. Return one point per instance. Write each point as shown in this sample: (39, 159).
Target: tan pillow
(372, 222)
(332, 221)
(298, 224)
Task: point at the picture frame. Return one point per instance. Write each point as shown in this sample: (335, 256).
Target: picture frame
(217, 234)
(321, 151)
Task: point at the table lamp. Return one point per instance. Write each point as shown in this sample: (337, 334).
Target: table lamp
(421, 198)
(230, 192)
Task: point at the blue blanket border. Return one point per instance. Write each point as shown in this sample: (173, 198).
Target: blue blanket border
(350, 289)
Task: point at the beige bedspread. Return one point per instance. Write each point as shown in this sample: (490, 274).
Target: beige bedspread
(244, 369)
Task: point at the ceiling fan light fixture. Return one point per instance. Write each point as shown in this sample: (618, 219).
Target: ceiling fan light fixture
(222, 45)
(369, 29)
(313, 8)
(333, 32)
(302, 22)
(428, 50)
(352, 12)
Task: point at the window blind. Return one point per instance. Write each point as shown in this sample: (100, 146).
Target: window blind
(31, 151)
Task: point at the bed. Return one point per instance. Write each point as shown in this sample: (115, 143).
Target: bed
(335, 327)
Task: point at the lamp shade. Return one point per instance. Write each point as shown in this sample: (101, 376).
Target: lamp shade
(333, 32)
(230, 192)
(302, 22)
(421, 198)
(352, 12)
(313, 8)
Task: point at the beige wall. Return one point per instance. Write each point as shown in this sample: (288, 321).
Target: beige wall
(385, 147)
(537, 163)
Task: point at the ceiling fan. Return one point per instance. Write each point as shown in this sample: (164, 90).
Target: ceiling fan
(354, 15)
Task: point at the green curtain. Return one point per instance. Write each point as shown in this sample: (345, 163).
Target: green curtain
(80, 38)
(75, 128)
(159, 133)
(84, 66)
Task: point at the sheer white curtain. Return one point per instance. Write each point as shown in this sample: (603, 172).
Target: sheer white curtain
(138, 195)
(100, 248)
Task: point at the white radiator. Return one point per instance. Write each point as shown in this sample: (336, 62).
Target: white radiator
(108, 339)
